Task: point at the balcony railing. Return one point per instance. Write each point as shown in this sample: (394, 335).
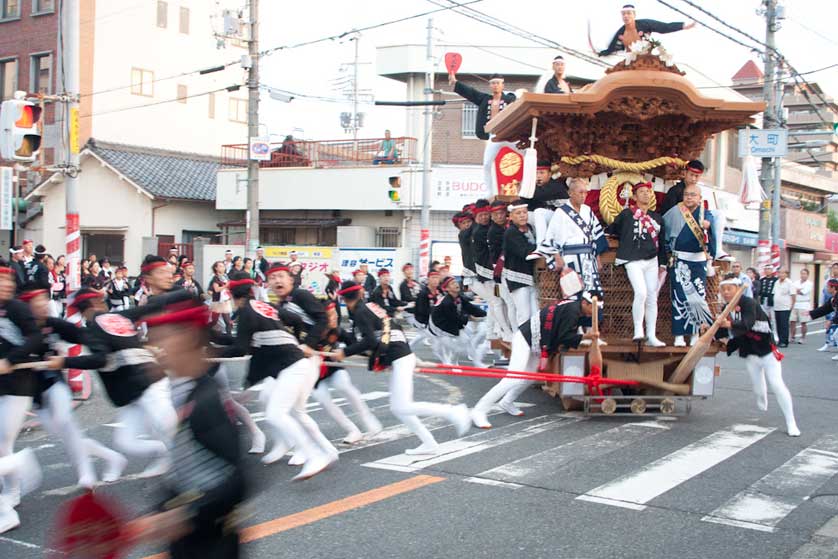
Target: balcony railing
(326, 153)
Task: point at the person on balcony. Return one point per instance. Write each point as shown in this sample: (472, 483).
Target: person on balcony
(557, 83)
(387, 151)
(489, 105)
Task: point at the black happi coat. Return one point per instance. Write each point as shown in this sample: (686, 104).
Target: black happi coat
(483, 263)
(367, 329)
(451, 315)
(262, 333)
(483, 102)
(548, 195)
(644, 27)
(635, 242)
(425, 303)
(559, 326)
(517, 270)
(312, 313)
(19, 338)
(466, 250)
(388, 301)
(749, 332)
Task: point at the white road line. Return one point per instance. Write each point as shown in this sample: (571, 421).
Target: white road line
(763, 505)
(493, 482)
(548, 462)
(472, 444)
(20, 543)
(636, 489)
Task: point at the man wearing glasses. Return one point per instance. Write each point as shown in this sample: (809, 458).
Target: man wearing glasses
(690, 245)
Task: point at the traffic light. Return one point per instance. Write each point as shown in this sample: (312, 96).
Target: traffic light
(20, 137)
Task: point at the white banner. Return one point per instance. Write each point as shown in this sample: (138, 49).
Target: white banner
(6, 198)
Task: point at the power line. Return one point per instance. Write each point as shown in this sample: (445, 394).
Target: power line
(486, 19)
(809, 72)
(272, 50)
(815, 31)
(713, 29)
(234, 87)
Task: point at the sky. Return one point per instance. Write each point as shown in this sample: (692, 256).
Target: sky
(805, 39)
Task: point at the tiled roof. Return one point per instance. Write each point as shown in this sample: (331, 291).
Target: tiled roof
(163, 174)
(748, 71)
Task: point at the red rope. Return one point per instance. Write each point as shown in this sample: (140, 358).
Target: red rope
(593, 382)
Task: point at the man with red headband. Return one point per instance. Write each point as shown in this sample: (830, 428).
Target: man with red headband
(276, 354)
(380, 335)
(119, 290)
(484, 287)
(518, 281)
(642, 253)
(464, 222)
(449, 319)
(427, 299)
(19, 337)
(384, 296)
(207, 482)
(310, 322)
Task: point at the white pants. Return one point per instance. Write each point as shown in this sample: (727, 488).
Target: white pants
(496, 323)
(768, 368)
(489, 153)
(286, 409)
(241, 412)
(540, 220)
(152, 415)
(341, 381)
(12, 415)
(422, 334)
(643, 275)
(719, 223)
(525, 305)
(508, 389)
(405, 409)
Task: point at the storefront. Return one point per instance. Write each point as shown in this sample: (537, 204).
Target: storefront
(804, 235)
(741, 245)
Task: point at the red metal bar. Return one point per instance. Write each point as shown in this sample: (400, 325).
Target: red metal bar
(592, 381)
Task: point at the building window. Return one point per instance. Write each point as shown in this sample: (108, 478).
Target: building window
(9, 9)
(181, 93)
(8, 78)
(238, 110)
(42, 7)
(211, 99)
(184, 21)
(388, 237)
(162, 14)
(40, 79)
(469, 120)
(142, 82)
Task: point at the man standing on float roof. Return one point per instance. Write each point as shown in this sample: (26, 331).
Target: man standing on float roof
(635, 29)
(489, 105)
(557, 83)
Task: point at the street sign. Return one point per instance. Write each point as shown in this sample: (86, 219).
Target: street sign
(260, 149)
(6, 195)
(772, 142)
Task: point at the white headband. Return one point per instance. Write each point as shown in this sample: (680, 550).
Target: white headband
(589, 298)
(732, 281)
(513, 207)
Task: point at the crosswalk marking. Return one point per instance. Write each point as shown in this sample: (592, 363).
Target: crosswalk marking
(551, 460)
(472, 444)
(636, 489)
(763, 505)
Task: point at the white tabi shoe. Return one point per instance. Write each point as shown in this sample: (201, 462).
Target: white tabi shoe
(835, 357)
(257, 445)
(30, 472)
(511, 409)
(374, 426)
(824, 347)
(275, 455)
(679, 342)
(353, 436)
(423, 449)
(9, 520)
(654, 342)
(297, 459)
(115, 468)
(792, 430)
(694, 339)
(312, 467)
(478, 417)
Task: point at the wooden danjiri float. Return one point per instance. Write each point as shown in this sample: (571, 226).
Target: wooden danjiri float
(642, 121)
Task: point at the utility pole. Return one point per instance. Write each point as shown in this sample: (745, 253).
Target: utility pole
(778, 161)
(355, 96)
(425, 222)
(252, 217)
(768, 121)
(71, 65)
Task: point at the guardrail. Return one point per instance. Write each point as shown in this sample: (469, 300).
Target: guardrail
(327, 153)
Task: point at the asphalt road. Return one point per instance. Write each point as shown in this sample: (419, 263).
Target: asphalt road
(725, 481)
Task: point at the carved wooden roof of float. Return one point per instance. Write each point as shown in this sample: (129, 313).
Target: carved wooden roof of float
(636, 112)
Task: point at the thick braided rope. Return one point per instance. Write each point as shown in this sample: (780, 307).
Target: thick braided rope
(637, 167)
(609, 200)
